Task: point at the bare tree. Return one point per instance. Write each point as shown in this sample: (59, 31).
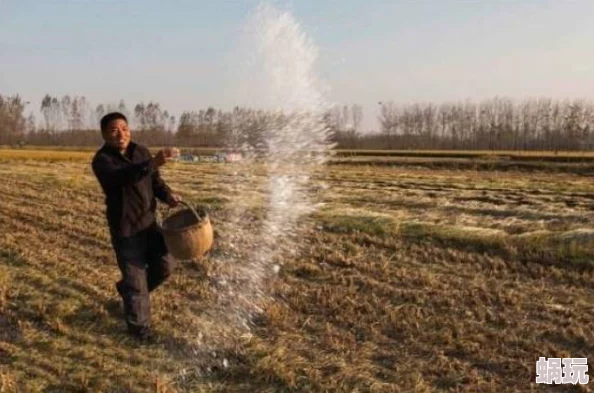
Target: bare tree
(357, 115)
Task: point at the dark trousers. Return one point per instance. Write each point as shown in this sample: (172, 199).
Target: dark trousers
(145, 263)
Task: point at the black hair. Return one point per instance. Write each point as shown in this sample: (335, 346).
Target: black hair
(105, 120)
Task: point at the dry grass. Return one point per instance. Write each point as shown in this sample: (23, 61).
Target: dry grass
(488, 154)
(45, 155)
(407, 280)
(470, 153)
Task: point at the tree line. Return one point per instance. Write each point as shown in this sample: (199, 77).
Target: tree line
(493, 124)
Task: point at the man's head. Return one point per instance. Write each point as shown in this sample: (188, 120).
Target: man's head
(115, 131)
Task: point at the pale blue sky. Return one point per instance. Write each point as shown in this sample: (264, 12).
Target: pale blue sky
(180, 53)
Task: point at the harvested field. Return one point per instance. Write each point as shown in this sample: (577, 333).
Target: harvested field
(410, 278)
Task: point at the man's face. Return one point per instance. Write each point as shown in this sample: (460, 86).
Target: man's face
(117, 134)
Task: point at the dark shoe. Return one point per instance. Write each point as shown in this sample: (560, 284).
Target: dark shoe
(143, 334)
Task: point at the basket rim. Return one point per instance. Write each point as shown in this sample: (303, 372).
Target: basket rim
(205, 220)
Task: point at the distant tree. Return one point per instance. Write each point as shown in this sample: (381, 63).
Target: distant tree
(30, 125)
(65, 117)
(12, 120)
(357, 116)
(122, 108)
(100, 111)
(46, 105)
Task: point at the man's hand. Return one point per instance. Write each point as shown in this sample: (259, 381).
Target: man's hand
(165, 155)
(171, 152)
(174, 200)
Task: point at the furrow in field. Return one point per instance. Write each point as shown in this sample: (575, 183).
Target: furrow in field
(73, 229)
(54, 252)
(89, 214)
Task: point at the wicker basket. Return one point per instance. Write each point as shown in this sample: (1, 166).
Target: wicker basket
(188, 233)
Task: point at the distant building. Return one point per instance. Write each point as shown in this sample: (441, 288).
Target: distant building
(233, 157)
(218, 157)
(189, 158)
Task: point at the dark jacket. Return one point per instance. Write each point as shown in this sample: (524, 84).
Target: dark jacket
(130, 181)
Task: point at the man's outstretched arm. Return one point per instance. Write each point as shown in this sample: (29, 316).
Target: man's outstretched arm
(110, 175)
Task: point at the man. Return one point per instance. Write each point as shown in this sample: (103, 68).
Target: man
(130, 179)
